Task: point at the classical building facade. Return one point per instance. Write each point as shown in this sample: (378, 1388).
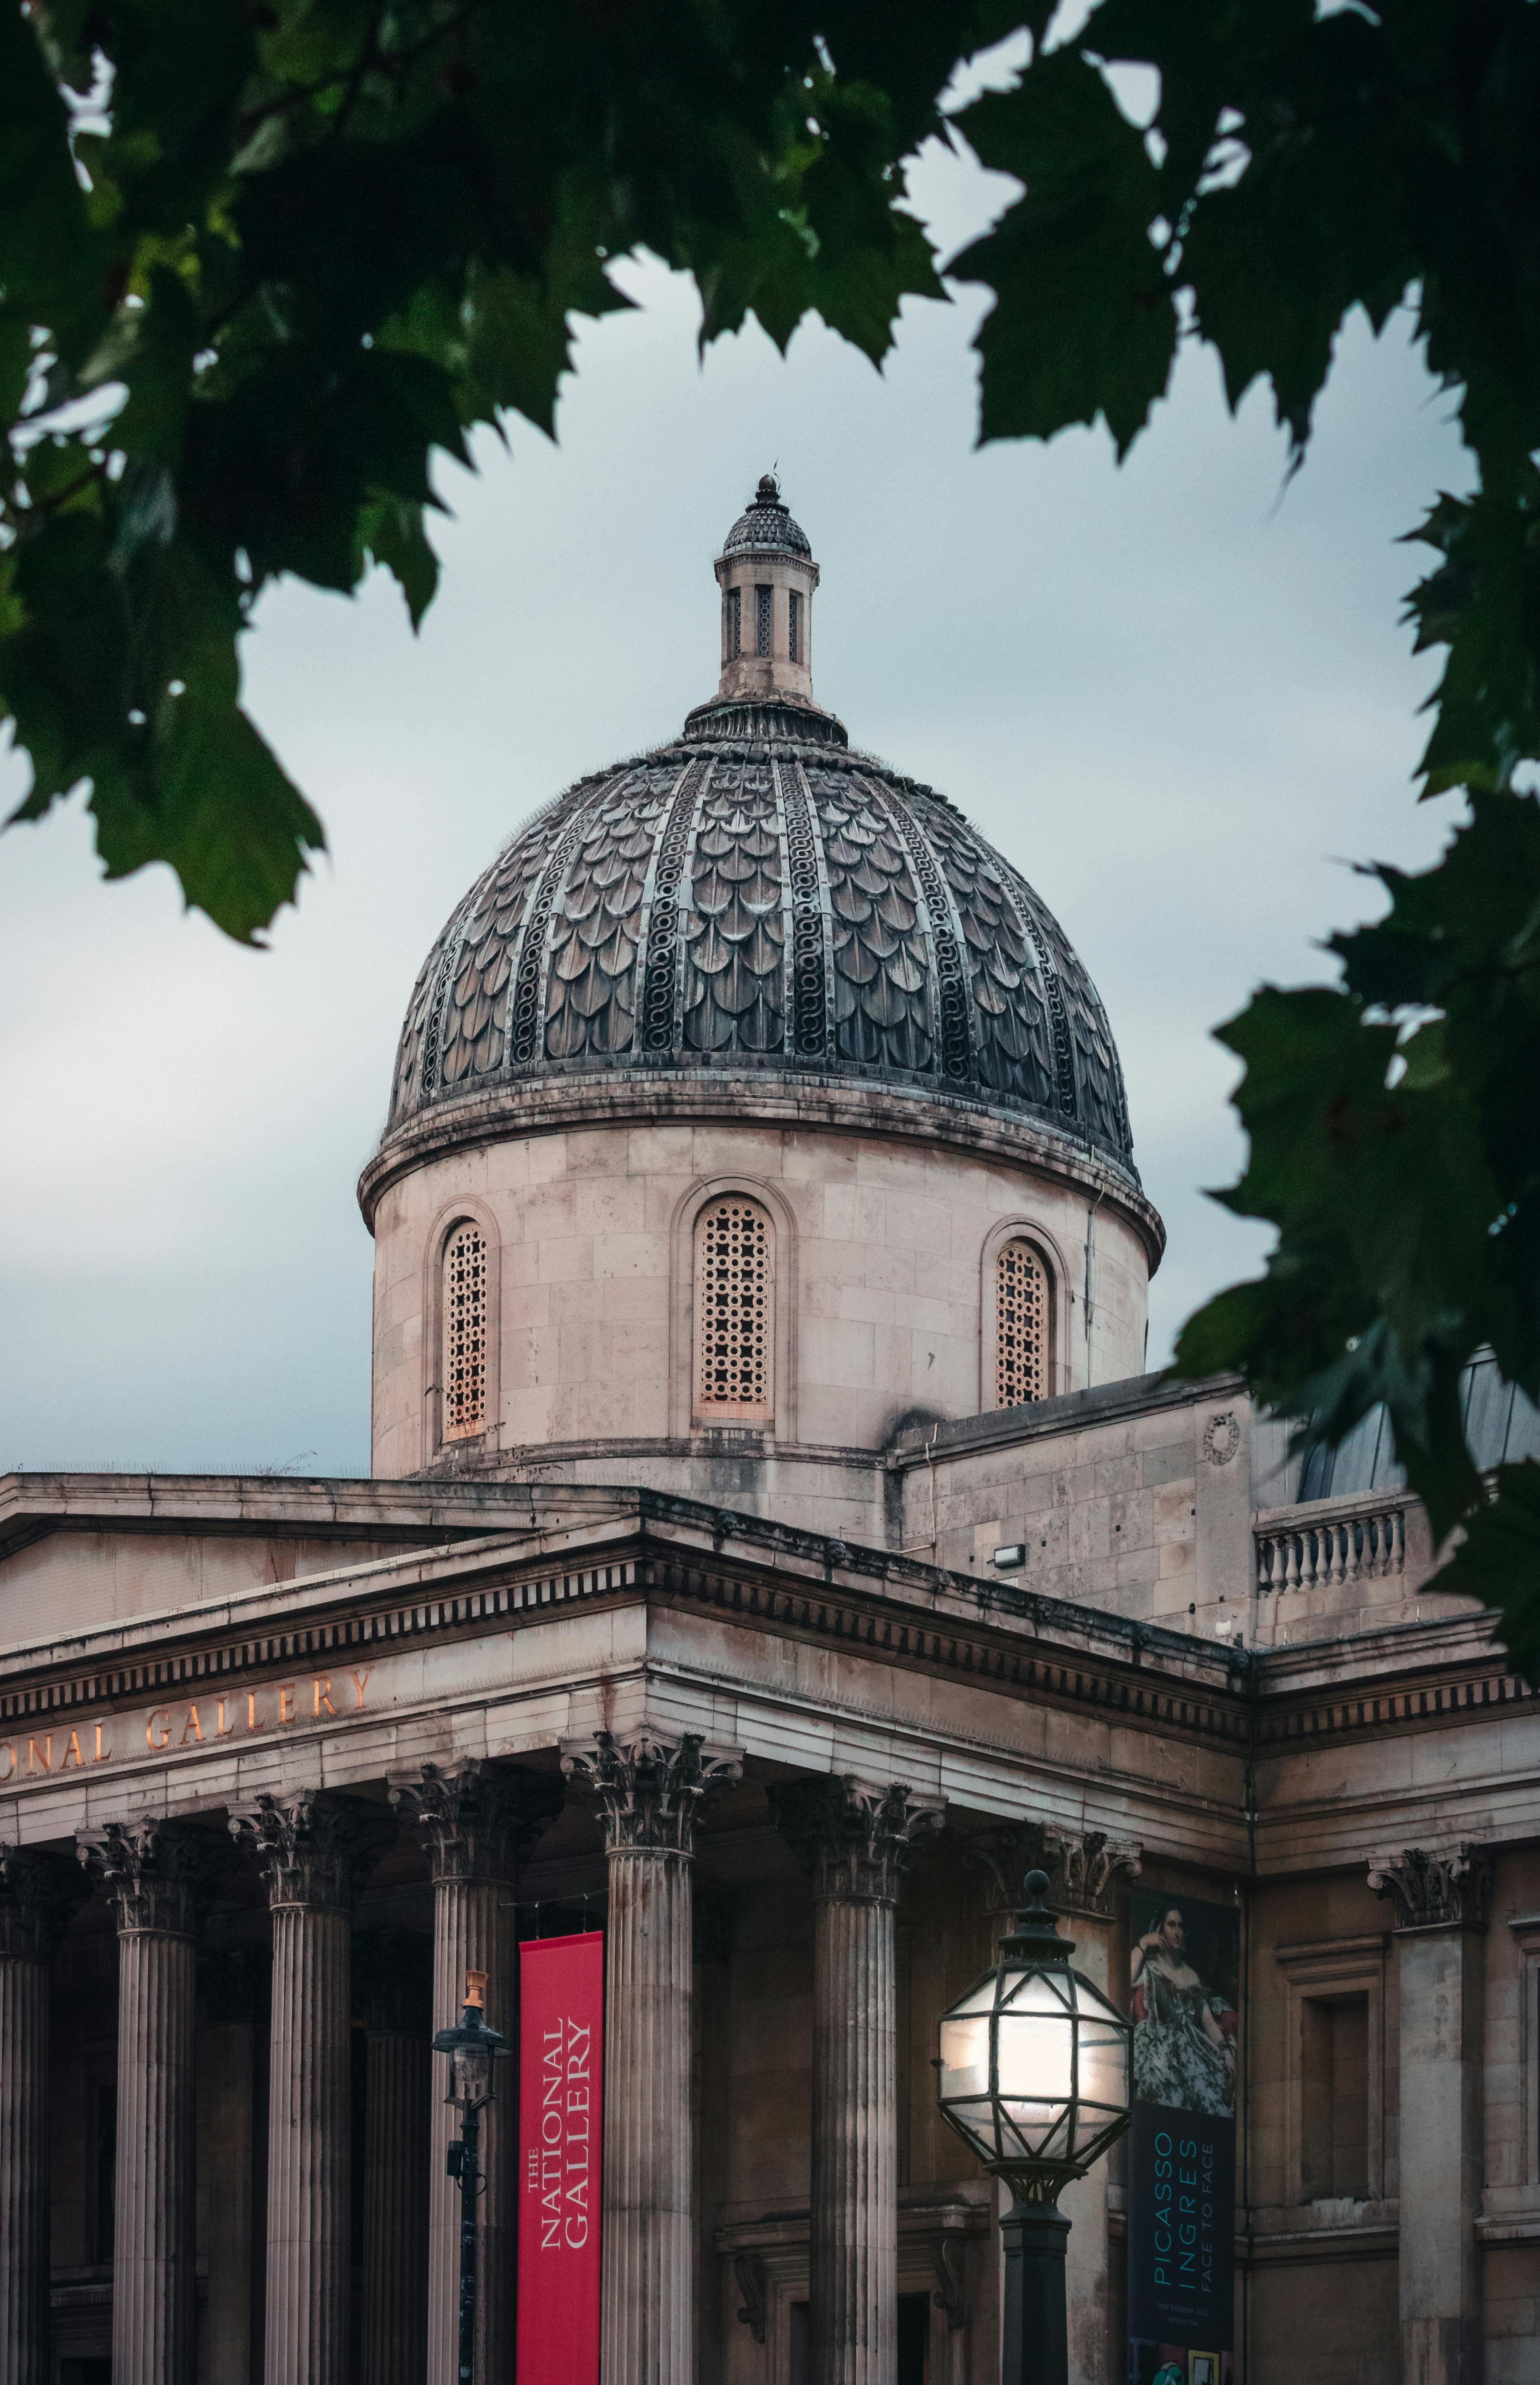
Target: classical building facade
(773, 1546)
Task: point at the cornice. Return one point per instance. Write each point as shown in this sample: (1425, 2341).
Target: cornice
(773, 1578)
(740, 1095)
(1069, 1412)
(413, 1508)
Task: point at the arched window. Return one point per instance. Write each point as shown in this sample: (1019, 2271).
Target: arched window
(1021, 1325)
(463, 1376)
(734, 1312)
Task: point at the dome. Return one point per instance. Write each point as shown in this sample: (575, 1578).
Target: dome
(755, 898)
(767, 524)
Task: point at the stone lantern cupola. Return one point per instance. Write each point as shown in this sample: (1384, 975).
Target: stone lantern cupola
(767, 575)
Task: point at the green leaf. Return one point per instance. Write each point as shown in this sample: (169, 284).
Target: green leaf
(392, 534)
(47, 255)
(1083, 323)
(1484, 603)
(213, 802)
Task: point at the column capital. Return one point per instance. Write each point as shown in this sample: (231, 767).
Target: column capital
(393, 1983)
(475, 1820)
(1435, 1892)
(160, 1875)
(313, 1847)
(39, 1891)
(855, 1837)
(648, 1787)
(1085, 1868)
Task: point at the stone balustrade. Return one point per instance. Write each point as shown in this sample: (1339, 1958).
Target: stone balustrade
(1332, 1543)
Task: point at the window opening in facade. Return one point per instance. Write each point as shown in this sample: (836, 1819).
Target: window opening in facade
(734, 1312)
(1021, 1326)
(1334, 2148)
(793, 627)
(734, 622)
(465, 1330)
(762, 597)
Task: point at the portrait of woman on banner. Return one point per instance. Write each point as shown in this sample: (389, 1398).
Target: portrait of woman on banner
(1185, 2027)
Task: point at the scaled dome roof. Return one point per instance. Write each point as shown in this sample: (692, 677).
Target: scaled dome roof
(766, 524)
(753, 898)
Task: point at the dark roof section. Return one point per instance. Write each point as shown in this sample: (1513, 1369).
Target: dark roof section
(774, 904)
(766, 524)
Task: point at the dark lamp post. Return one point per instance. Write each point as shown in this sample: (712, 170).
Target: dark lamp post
(471, 2049)
(1034, 2075)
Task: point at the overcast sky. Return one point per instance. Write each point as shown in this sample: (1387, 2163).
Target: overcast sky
(1177, 695)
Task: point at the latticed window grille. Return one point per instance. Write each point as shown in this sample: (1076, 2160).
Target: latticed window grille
(734, 1311)
(1021, 1326)
(465, 1331)
(793, 627)
(734, 622)
(762, 596)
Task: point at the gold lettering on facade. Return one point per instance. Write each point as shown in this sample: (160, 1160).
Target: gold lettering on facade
(285, 1702)
(72, 1753)
(322, 1690)
(360, 1679)
(252, 1723)
(45, 1762)
(220, 1730)
(102, 1753)
(9, 1753)
(192, 1727)
(162, 1718)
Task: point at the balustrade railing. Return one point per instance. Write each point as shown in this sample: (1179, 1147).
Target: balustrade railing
(1324, 1552)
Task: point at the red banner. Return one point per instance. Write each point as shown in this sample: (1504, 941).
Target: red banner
(560, 2106)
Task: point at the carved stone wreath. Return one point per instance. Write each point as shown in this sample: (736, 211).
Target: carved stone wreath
(1221, 1438)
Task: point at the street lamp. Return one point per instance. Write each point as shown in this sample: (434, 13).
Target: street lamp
(1034, 2075)
(470, 2048)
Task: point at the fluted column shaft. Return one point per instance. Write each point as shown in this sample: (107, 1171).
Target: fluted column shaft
(24, 1988)
(855, 1837)
(395, 2207)
(310, 2150)
(475, 1821)
(854, 2218)
(648, 1790)
(154, 2211)
(472, 1932)
(314, 1850)
(648, 2261)
(156, 1873)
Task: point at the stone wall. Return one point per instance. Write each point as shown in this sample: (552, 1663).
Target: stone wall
(882, 1247)
(1134, 1498)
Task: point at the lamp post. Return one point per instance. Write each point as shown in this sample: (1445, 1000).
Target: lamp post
(470, 2048)
(1034, 2075)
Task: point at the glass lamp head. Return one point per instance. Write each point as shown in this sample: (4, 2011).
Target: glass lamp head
(472, 2048)
(1034, 2067)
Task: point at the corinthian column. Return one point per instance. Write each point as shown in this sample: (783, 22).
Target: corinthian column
(314, 1850)
(37, 1890)
(476, 1822)
(854, 1839)
(1088, 1873)
(394, 1998)
(156, 1874)
(649, 1790)
(1440, 1904)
